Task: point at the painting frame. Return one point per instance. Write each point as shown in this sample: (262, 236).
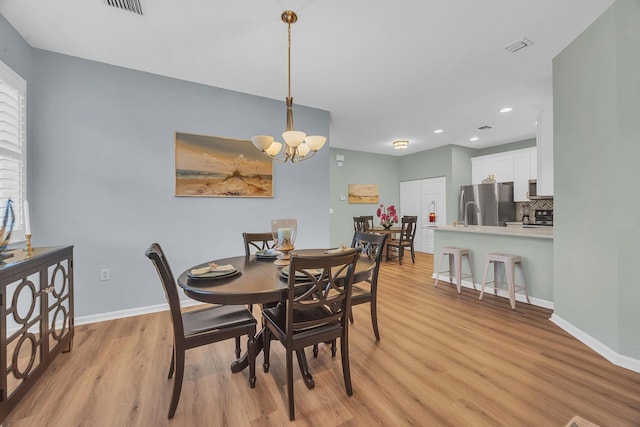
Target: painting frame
(364, 193)
(216, 166)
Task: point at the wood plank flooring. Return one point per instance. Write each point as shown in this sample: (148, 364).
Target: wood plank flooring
(443, 360)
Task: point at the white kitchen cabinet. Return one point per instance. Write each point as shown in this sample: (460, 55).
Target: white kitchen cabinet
(481, 167)
(524, 169)
(544, 142)
(504, 167)
(517, 166)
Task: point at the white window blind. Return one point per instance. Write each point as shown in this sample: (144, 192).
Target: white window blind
(13, 137)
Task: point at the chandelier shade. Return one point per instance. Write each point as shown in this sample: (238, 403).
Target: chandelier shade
(298, 146)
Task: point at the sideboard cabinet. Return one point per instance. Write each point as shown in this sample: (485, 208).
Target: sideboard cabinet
(36, 317)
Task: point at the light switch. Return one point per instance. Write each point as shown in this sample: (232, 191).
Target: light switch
(343, 197)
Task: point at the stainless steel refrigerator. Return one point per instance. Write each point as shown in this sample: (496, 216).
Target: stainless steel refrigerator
(487, 204)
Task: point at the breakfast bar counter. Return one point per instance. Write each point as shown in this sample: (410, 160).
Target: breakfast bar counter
(538, 232)
(534, 245)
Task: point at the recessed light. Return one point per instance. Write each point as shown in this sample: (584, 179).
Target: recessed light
(475, 138)
(438, 131)
(505, 109)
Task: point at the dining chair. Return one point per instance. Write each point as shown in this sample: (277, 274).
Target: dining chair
(407, 236)
(258, 241)
(200, 327)
(359, 223)
(319, 314)
(371, 245)
(369, 222)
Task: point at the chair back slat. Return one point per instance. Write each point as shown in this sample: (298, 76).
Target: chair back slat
(371, 245)
(359, 223)
(409, 225)
(325, 288)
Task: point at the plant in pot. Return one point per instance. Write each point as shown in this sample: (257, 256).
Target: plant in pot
(388, 216)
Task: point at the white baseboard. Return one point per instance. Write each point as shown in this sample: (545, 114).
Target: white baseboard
(112, 315)
(604, 351)
(539, 302)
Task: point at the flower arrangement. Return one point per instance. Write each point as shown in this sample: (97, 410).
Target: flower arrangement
(388, 216)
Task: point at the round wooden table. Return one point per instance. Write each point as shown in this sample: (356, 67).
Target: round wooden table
(258, 282)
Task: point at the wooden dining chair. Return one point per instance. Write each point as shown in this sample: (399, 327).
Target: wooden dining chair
(359, 223)
(257, 241)
(371, 245)
(407, 236)
(319, 314)
(369, 223)
(200, 327)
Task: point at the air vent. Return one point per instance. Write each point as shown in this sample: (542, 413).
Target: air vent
(485, 127)
(129, 5)
(518, 45)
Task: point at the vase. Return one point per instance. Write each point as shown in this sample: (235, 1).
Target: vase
(386, 226)
(7, 227)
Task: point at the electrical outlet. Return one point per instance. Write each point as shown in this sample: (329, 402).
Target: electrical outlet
(104, 274)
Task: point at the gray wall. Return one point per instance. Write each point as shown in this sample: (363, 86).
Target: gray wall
(101, 172)
(596, 150)
(359, 168)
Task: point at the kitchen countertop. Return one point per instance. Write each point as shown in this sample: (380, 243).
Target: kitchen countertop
(540, 232)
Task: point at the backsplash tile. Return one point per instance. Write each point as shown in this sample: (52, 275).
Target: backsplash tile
(528, 208)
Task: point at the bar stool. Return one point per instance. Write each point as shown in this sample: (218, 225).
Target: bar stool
(455, 265)
(504, 263)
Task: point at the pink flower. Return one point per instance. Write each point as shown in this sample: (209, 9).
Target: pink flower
(388, 215)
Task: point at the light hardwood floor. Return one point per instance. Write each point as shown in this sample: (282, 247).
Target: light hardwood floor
(443, 360)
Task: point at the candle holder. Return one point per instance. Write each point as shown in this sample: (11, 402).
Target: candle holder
(284, 234)
(29, 249)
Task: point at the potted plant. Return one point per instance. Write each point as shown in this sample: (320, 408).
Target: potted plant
(388, 216)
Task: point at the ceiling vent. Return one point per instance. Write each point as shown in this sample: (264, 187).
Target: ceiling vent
(485, 127)
(129, 5)
(518, 45)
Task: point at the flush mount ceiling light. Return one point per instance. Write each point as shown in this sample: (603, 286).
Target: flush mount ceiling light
(505, 109)
(400, 145)
(438, 131)
(475, 138)
(298, 146)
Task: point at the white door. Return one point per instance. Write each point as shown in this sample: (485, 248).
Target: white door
(419, 198)
(410, 202)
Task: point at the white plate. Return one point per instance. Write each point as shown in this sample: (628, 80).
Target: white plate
(267, 254)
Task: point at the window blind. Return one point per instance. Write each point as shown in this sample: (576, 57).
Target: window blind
(13, 144)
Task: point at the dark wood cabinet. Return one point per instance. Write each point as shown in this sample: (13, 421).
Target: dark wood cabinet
(36, 317)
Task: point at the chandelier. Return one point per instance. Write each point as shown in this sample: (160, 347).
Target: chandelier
(298, 146)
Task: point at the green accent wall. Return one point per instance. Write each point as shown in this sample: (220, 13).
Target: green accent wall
(596, 92)
(359, 168)
(518, 145)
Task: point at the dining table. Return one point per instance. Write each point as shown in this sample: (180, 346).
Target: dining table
(256, 280)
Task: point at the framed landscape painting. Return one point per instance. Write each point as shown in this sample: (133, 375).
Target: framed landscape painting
(363, 193)
(212, 166)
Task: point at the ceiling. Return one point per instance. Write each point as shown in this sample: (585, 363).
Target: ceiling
(385, 70)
